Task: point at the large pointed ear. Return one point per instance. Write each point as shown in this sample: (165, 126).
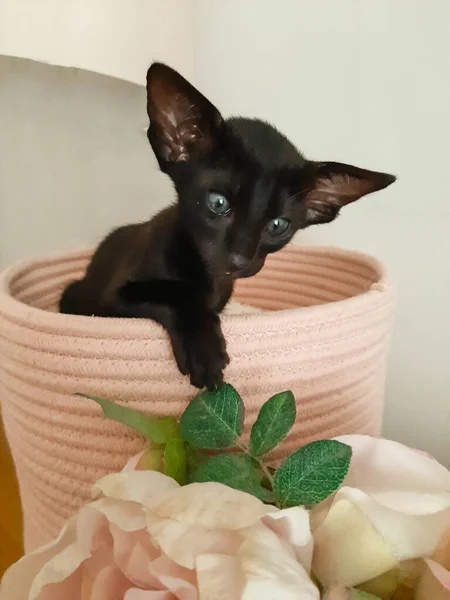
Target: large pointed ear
(183, 123)
(334, 185)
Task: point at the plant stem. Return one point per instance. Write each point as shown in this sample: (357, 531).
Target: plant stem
(264, 468)
(266, 472)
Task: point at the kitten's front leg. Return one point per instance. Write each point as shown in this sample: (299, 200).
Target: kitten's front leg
(195, 332)
(199, 347)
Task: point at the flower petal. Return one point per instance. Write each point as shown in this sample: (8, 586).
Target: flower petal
(133, 462)
(435, 584)
(292, 525)
(338, 593)
(18, 579)
(109, 583)
(338, 558)
(181, 582)
(210, 505)
(407, 535)
(442, 553)
(129, 516)
(135, 594)
(183, 542)
(133, 553)
(397, 476)
(219, 577)
(135, 486)
(60, 567)
(271, 569)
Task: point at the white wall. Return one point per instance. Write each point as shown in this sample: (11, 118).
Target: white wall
(113, 37)
(75, 160)
(364, 82)
(74, 157)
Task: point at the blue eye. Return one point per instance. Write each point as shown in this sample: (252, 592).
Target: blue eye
(278, 226)
(218, 204)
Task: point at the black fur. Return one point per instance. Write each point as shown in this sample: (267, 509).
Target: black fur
(178, 268)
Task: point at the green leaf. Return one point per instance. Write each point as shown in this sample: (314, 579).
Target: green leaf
(312, 473)
(238, 471)
(175, 460)
(194, 458)
(159, 430)
(274, 421)
(214, 420)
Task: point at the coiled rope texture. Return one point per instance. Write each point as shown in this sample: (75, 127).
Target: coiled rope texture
(324, 334)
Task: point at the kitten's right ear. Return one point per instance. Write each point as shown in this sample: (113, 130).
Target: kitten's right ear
(183, 123)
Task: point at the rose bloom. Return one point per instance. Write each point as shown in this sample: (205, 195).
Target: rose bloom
(147, 538)
(387, 530)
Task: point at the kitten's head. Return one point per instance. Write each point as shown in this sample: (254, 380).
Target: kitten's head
(243, 188)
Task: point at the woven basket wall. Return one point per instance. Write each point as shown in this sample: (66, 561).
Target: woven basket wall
(324, 335)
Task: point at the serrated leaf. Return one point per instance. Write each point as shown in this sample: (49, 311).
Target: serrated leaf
(274, 422)
(238, 471)
(194, 458)
(159, 430)
(214, 420)
(312, 473)
(175, 460)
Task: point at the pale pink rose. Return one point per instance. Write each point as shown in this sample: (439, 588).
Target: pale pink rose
(394, 506)
(435, 581)
(146, 538)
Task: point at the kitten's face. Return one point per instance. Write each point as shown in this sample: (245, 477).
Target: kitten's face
(243, 188)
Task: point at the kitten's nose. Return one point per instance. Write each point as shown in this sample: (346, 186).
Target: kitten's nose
(238, 262)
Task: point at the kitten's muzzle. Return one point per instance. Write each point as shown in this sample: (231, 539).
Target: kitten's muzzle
(240, 266)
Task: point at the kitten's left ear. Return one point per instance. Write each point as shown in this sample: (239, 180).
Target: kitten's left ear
(183, 123)
(334, 185)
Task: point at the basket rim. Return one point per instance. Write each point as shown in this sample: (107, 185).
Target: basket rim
(380, 293)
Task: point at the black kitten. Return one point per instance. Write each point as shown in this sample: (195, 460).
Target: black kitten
(243, 191)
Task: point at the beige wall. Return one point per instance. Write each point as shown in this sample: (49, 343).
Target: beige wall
(367, 82)
(113, 37)
(75, 160)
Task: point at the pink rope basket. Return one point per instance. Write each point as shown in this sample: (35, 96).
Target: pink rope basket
(324, 334)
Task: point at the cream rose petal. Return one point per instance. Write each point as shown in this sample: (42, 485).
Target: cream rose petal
(135, 594)
(442, 554)
(63, 564)
(219, 577)
(348, 549)
(109, 583)
(201, 518)
(407, 535)
(401, 502)
(292, 525)
(18, 579)
(128, 516)
(337, 593)
(135, 486)
(271, 569)
(184, 542)
(435, 583)
(133, 462)
(178, 580)
(133, 554)
(210, 505)
(397, 476)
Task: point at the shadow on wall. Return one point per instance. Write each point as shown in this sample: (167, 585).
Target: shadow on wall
(75, 160)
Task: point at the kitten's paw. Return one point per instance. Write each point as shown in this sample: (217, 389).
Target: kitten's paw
(201, 353)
